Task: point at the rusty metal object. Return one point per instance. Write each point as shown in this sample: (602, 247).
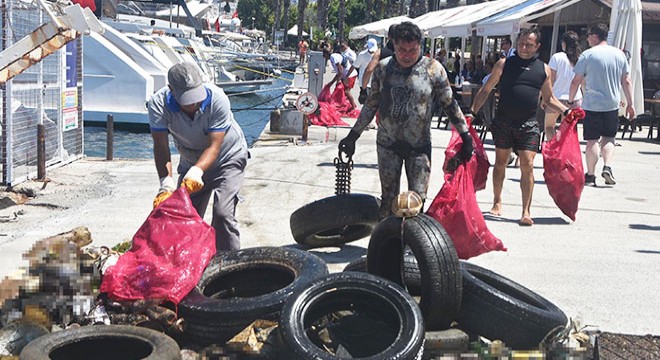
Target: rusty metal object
(161, 314)
(343, 174)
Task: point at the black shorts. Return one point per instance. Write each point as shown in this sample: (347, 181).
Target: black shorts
(519, 136)
(600, 123)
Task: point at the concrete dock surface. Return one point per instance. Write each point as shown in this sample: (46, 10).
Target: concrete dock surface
(603, 269)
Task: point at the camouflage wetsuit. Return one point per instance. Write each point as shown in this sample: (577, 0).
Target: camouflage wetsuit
(405, 99)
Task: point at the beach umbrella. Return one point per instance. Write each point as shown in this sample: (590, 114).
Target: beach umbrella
(626, 34)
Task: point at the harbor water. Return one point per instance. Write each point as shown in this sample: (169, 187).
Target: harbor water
(252, 112)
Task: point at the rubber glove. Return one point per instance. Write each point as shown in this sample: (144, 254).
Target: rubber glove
(363, 96)
(464, 154)
(192, 181)
(167, 187)
(347, 144)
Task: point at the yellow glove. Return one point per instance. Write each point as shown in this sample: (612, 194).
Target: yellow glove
(162, 196)
(193, 180)
(167, 187)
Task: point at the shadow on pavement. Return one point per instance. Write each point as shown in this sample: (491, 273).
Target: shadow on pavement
(644, 227)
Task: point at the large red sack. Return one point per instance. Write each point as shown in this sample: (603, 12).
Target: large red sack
(480, 166)
(169, 253)
(327, 116)
(457, 210)
(562, 165)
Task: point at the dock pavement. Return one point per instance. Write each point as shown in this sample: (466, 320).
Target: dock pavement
(603, 269)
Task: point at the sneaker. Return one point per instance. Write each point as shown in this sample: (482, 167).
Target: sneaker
(589, 180)
(607, 174)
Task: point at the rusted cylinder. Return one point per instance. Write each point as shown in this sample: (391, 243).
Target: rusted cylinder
(164, 315)
(41, 151)
(110, 131)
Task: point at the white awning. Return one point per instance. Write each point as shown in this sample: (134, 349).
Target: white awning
(464, 24)
(430, 22)
(378, 28)
(294, 31)
(510, 21)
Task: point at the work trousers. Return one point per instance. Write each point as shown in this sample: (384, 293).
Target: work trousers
(224, 182)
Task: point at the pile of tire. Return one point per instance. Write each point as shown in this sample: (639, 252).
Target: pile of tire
(480, 301)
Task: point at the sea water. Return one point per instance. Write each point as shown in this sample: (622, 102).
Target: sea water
(251, 111)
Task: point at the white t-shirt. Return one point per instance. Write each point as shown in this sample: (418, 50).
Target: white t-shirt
(345, 63)
(363, 59)
(559, 62)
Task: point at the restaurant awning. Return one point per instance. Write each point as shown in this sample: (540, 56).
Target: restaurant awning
(463, 23)
(435, 19)
(510, 21)
(378, 28)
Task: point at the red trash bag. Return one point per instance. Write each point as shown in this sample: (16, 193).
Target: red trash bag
(169, 253)
(456, 209)
(479, 168)
(325, 94)
(562, 165)
(327, 116)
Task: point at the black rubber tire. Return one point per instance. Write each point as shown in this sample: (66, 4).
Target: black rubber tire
(411, 276)
(357, 265)
(500, 309)
(366, 295)
(335, 220)
(439, 270)
(238, 287)
(103, 342)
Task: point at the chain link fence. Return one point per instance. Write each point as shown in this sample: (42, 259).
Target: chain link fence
(48, 93)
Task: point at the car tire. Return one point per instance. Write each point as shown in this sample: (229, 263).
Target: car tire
(390, 322)
(498, 308)
(439, 271)
(103, 342)
(238, 287)
(335, 220)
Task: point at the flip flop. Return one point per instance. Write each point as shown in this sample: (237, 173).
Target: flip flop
(526, 221)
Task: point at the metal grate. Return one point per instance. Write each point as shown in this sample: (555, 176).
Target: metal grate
(41, 94)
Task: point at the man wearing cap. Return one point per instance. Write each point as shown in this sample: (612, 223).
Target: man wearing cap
(361, 63)
(344, 72)
(211, 144)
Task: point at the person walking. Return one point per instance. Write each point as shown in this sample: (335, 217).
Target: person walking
(404, 90)
(361, 63)
(520, 79)
(303, 46)
(561, 74)
(605, 71)
(212, 147)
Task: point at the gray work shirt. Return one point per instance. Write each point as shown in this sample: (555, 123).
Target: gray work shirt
(191, 136)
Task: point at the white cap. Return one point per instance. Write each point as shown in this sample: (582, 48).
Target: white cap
(371, 45)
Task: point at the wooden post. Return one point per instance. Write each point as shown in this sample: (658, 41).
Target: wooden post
(110, 132)
(305, 127)
(41, 151)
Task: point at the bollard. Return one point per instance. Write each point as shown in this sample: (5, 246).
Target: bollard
(110, 132)
(41, 151)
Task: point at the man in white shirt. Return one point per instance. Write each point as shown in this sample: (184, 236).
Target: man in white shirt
(344, 73)
(361, 63)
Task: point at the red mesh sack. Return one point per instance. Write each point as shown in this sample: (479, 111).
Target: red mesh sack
(456, 209)
(562, 165)
(169, 253)
(327, 116)
(480, 166)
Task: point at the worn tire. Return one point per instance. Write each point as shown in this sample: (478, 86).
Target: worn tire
(397, 330)
(411, 275)
(498, 308)
(238, 287)
(103, 342)
(439, 270)
(335, 220)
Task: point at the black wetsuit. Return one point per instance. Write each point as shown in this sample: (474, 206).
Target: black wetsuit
(515, 124)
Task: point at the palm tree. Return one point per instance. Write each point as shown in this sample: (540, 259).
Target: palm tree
(302, 5)
(452, 3)
(340, 18)
(277, 4)
(287, 4)
(322, 13)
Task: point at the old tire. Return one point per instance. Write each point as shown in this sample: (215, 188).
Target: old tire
(500, 309)
(238, 287)
(390, 324)
(411, 275)
(103, 342)
(335, 220)
(439, 270)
